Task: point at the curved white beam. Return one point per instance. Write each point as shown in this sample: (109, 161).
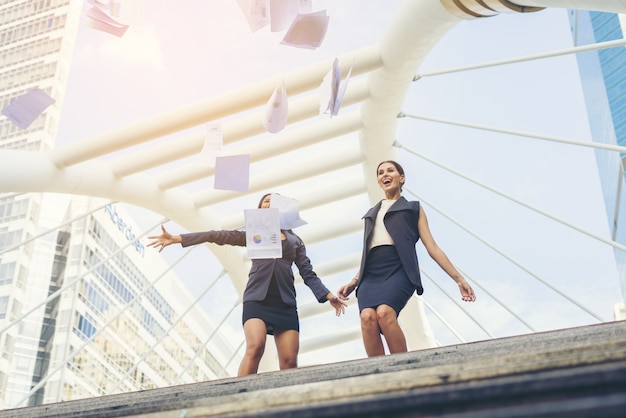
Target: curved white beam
(280, 143)
(234, 102)
(341, 157)
(333, 228)
(416, 28)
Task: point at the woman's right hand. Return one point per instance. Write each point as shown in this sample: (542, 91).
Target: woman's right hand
(164, 239)
(345, 290)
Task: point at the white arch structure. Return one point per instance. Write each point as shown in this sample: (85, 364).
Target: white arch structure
(381, 76)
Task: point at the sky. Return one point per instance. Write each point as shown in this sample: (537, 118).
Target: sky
(172, 56)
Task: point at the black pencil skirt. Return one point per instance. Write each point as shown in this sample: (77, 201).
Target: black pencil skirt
(277, 315)
(384, 280)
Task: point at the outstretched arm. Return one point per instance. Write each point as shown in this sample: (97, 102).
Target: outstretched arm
(165, 239)
(218, 237)
(437, 254)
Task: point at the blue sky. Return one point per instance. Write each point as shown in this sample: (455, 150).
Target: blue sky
(172, 56)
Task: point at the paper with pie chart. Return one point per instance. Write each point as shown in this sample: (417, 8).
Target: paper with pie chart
(263, 233)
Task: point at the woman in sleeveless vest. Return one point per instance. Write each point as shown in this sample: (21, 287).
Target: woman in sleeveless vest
(389, 272)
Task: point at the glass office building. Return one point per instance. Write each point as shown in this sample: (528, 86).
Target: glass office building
(103, 315)
(36, 47)
(603, 77)
(81, 310)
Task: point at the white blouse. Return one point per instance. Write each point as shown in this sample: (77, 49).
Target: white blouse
(380, 235)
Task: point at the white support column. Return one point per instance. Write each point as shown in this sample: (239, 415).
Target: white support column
(416, 326)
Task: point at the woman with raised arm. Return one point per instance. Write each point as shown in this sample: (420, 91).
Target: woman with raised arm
(269, 299)
(389, 272)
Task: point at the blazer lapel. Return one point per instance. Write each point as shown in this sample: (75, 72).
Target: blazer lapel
(371, 213)
(400, 204)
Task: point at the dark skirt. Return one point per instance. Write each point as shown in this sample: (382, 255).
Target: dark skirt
(384, 281)
(277, 315)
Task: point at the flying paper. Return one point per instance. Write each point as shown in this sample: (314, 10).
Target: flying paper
(332, 89)
(232, 172)
(307, 30)
(288, 210)
(23, 110)
(283, 12)
(257, 13)
(213, 142)
(263, 233)
(99, 20)
(277, 110)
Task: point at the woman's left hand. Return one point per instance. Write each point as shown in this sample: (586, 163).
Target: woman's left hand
(339, 305)
(467, 293)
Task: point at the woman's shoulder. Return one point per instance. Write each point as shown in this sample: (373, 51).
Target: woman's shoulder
(292, 237)
(290, 234)
(403, 203)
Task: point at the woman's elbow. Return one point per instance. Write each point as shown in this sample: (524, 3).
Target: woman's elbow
(434, 252)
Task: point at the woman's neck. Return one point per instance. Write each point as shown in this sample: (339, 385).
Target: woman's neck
(392, 196)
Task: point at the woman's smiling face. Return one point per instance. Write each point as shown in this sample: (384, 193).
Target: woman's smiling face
(389, 178)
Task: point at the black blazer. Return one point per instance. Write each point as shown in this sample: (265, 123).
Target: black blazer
(401, 223)
(264, 269)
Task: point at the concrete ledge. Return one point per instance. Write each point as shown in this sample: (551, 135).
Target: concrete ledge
(566, 372)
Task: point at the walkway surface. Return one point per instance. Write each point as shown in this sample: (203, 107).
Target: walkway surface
(575, 372)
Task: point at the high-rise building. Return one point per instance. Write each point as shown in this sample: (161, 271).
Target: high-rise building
(108, 316)
(36, 46)
(603, 76)
(80, 312)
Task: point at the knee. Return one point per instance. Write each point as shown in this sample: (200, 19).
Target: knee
(369, 318)
(289, 361)
(255, 349)
(386, 314)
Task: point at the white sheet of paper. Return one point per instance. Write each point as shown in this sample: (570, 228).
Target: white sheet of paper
(282, 13)
(99, 20)
(213, 142)
(307, 30)
(288, 210)
(329, 88)
(110, 7)
(342, 91)
(23, 110)
(277, 110)
(332, 89)
(232, 172)
(263, 233)
(257, 13)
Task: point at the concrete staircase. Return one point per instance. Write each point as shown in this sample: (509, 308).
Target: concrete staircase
(575, 372)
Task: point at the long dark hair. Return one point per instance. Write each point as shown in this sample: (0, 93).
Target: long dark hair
(261, 201)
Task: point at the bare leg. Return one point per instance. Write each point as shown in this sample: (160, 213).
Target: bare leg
(255, 331)
(287, 346)
(371, 333)
(388, 322)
